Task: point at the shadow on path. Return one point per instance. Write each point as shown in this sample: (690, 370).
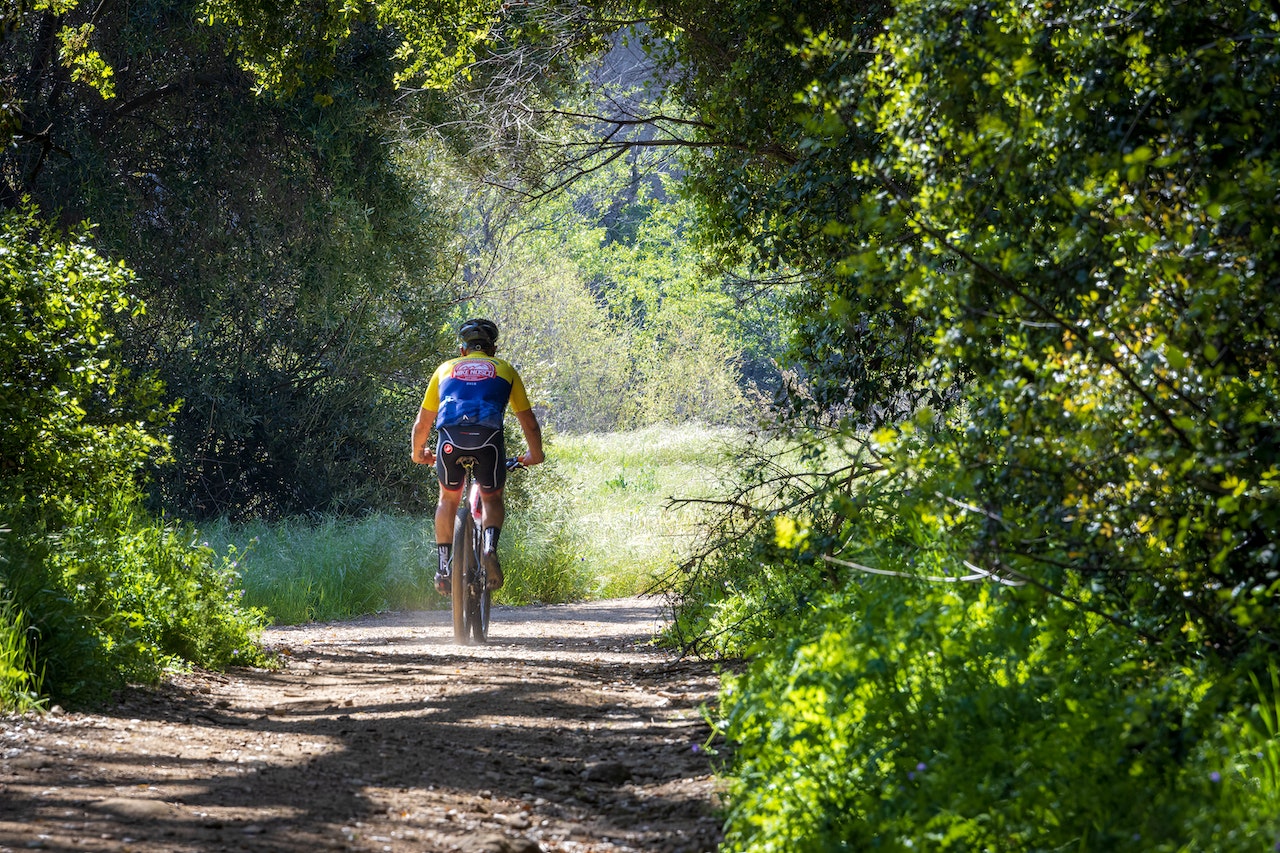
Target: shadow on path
(570, 730)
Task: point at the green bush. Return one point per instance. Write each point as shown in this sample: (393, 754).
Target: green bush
(897, 712)
(755, 567)
(907, 716)
(118, 598)
(96, 593)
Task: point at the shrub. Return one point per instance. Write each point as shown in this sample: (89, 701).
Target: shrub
(904, 716)
(941, 709)
(117, 597)
(98, 592)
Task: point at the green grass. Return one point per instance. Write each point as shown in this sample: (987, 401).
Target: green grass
(304, 570)
(20, 688)
(599, 512)
(593, 522)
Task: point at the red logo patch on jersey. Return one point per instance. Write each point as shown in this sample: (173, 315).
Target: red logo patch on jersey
(446, 449)
(474, 371)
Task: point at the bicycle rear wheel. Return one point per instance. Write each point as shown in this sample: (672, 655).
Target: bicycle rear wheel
(464, 556)
(478, 594)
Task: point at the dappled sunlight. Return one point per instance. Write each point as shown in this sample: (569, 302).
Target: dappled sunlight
(573, 730)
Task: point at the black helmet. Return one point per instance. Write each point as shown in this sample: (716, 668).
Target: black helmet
(478, 333)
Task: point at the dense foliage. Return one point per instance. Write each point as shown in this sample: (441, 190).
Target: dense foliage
(289, 45)
(1072, 210)
(94, 593)
(1095, 245)
(290, 272)
(981, 718)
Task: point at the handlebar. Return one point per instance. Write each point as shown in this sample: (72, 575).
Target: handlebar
(514, 463)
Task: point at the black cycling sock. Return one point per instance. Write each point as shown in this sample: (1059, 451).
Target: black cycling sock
(446, 549)
(491, 538)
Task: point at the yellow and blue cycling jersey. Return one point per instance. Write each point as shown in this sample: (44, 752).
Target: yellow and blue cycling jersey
(474, 389)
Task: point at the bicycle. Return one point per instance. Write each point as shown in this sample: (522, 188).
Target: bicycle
(470, 582)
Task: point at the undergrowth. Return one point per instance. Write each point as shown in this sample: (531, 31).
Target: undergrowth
(893, 696)
(595, 521)
(20, 683)
(116, 598)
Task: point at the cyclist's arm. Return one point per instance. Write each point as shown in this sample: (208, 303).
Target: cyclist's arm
(421, 433)
(532, 437)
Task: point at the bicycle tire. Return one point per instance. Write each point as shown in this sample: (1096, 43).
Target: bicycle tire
(478, 593)
(460, 566)
(485, 606)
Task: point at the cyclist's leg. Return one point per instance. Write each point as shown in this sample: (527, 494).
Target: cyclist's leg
(491, 474)
(493, 509)
(446, 512)
(451, 477)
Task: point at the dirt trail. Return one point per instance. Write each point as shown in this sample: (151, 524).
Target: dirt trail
(567, 732)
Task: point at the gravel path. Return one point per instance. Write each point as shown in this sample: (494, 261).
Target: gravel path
(569, 731)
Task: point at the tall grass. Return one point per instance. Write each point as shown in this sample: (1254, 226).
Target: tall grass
(305, 570)
(593, 522)
(20, 686)
(597, 520)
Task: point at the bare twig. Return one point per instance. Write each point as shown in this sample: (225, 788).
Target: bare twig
(977, 574)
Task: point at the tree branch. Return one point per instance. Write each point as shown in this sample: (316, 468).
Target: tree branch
(177, 87)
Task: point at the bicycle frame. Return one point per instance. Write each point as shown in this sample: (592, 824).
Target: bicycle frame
(470, 582)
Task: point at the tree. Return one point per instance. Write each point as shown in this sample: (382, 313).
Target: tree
(1037, 243)
(1086, 230)
(709, 92)
(1074, 204)
(77, 421)
(288, 268)
(290, 45)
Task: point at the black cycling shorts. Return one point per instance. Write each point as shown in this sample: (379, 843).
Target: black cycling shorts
(485, 445)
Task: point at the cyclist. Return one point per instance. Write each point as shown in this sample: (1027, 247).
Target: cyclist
(466, 400)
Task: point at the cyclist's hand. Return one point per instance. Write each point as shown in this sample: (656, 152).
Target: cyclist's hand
(426, 457)
(528, 459)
